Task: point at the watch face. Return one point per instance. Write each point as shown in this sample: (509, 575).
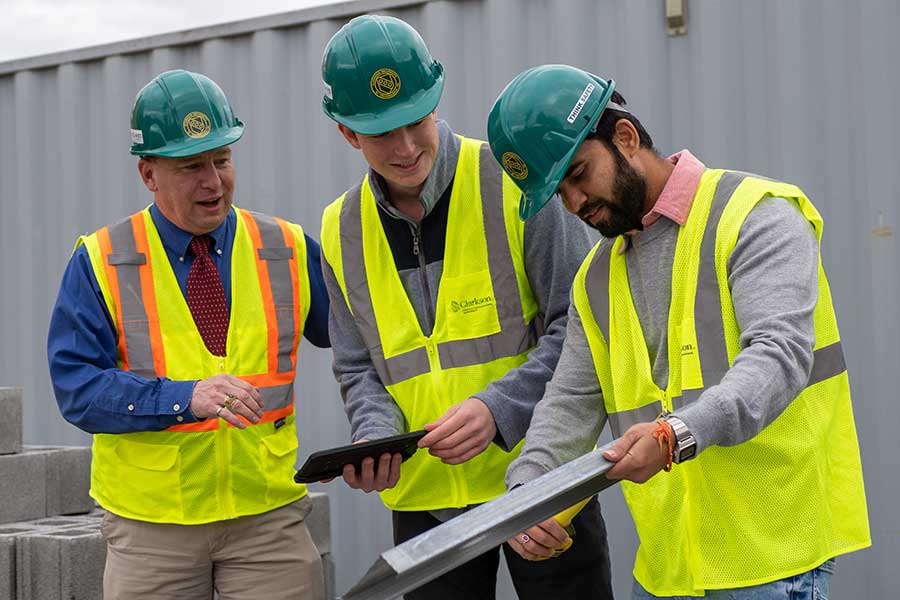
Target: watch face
(688, 452)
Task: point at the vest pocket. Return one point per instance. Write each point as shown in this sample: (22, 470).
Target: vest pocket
(277, 455)
(470, 308)
(149, 479)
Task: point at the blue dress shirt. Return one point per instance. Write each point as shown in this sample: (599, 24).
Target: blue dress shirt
(92, 392)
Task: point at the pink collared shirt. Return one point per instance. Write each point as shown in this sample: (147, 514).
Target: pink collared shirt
(675, 200)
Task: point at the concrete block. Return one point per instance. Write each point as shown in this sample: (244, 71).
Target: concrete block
(319, 522)
(328, 565)
(10, 420)
(8, 535)
(61, 564)
(55, 522)
(24, 488)
(68, 479)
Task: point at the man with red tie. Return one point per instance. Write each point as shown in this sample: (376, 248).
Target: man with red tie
(174, 341)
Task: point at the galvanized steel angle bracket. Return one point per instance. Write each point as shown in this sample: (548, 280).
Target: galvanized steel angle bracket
(433, 553)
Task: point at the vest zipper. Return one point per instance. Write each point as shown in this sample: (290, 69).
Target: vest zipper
(423, 275)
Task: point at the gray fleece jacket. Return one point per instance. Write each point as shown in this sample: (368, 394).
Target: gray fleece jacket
(555, 243)
(773, 276)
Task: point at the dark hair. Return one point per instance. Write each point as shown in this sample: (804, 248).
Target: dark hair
(606, 126)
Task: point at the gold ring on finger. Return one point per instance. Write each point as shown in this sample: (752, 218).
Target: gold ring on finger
(230, 399)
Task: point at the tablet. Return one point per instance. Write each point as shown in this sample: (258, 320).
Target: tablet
(326, 464)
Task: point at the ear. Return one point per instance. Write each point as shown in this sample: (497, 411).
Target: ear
(349, 135)
(147, 169)
(626, 138)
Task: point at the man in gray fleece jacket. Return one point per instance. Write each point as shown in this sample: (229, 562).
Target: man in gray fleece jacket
(702, 330)
(427, 258)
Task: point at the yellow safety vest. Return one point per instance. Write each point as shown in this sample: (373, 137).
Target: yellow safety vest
(205, 471)
(777, 505)
(486, 320)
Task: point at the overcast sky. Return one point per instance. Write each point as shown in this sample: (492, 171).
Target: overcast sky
(34, 27)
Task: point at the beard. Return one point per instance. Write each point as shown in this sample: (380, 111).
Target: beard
(627, 205)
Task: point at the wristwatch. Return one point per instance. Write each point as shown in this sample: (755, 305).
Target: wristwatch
(685, 442)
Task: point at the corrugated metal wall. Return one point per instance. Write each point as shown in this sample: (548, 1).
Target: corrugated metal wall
(798, 90)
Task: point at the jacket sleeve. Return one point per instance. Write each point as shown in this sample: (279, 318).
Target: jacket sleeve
(316, 327)
(92, 392)
(773, 276)
(372, 412)
(555, 244)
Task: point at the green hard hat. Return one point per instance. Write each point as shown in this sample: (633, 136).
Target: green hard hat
(181, 113)
(538, 123)
(379, 75)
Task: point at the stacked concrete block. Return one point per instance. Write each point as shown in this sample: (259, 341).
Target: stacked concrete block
(24, 489)
(43, 553)
(8, 535)
(45, 481)
(68, 479)
(19, 572)
(63, 563)
(319, 524)
(10, 420)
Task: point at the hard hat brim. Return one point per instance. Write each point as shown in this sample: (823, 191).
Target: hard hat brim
(191, 147)
(397, 116)
(532, 201)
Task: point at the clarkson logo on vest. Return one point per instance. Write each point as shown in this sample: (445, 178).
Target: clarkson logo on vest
(470, 305)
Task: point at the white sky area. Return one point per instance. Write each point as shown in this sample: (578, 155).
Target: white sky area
(35, 27)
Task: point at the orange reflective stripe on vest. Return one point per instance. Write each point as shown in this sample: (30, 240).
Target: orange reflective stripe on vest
(131, 282)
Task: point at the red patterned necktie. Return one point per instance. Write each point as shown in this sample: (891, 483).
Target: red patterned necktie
(206, 297)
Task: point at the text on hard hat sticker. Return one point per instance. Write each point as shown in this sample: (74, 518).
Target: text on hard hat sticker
(580, 104)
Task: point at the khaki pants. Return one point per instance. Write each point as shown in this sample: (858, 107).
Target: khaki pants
(268, 556)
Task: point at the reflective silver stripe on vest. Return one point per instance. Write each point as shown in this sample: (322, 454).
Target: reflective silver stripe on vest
(514, 337)
(619, 422)
(277, 396)
(135, 322)
(596, 285)
(827, 361)
(277, 257)
(397, 368)
(707, 304)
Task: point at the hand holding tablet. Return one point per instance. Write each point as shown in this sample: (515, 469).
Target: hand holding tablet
(327, 464)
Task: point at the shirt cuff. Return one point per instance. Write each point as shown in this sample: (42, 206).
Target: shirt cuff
(523, 473)
(502, 422)
(175, 401)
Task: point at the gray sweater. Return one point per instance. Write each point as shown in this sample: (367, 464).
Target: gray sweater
(555, 243)
(773, 277)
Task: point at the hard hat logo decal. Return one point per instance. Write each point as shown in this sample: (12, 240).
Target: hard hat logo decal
(196, 125)
(514, 165)
(385, 83)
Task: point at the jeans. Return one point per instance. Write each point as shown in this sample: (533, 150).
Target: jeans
(812, 585)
